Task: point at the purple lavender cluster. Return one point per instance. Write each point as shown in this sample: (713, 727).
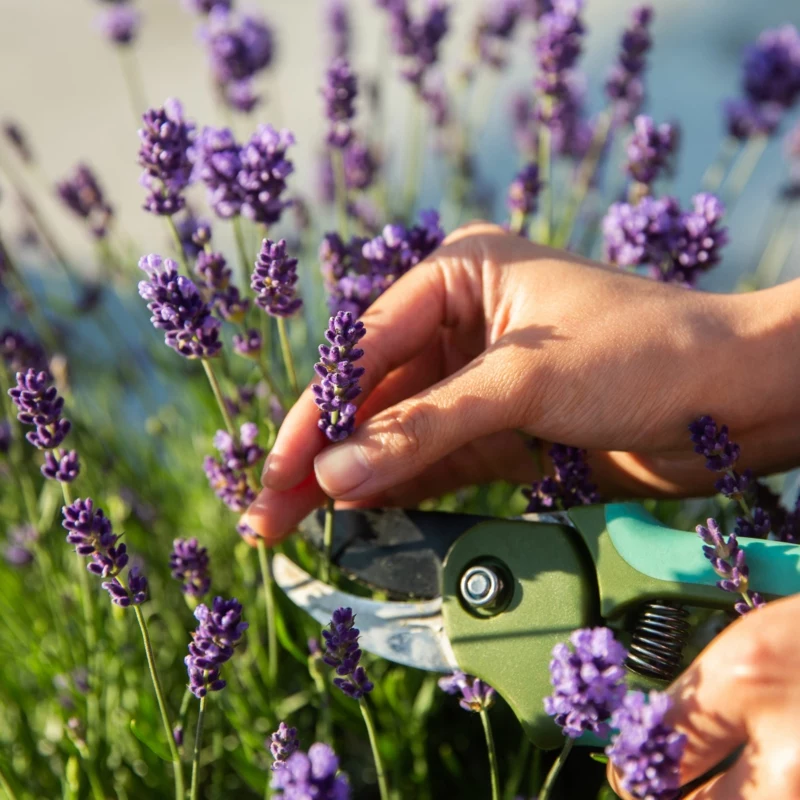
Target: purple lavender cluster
(165, 140)
(91, 533)
(770, 84)
(17, 139)
(342, 653)
(588, 682)
(625, 84)
(650, 149)
(178, 309)
(313, 774)
(203, 7)
(647, 750)
(82, 195)
(282, 744)
(20, 540)
(337, 27)
(339, 92)
(119, 23)
(239, 47)
(729, 562)
(476, 695)
(339, 385)
(274, 280)
(249, 179)
(358, 272)
(675, 246)
(219, 630)
(227, 475)
(40, 406)
(495, 27)
(216, 289)
(523, 193)
(188, 563)
(569, 486)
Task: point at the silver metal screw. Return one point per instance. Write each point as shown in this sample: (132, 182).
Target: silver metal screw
(480, 586)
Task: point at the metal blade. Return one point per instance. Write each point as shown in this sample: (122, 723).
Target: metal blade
(397, 551)
(406, 633)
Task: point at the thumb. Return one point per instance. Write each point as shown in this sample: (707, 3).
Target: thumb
(398, 444)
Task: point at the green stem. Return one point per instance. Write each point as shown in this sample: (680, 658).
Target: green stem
(517, 222)
(586, 172)
(162, 703)
(743, 168)
(373, 743)
(176, 238)
(546, 173)
(212, 379)
(269, 604)
(197, 745)
(94, 780)
(287, 356)
(264, 369)
(241, 249)
(7, 786)
(550, 780)
(340, 183)
(493, 771)
(133, 82)
(718, 168)
(327, 541)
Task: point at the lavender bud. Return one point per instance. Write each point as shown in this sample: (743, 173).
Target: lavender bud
(650, 149)
(274, 280)
(81, 194)
(282, 744)
(315, 774)
(189, 565)
(262, 178)
(342, 653)
(119, 24)
(476, 695)
(339, 92)
(63, 466)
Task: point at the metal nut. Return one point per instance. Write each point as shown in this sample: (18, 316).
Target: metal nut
(480, 587)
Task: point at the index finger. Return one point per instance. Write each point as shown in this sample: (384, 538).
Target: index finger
(400, 325)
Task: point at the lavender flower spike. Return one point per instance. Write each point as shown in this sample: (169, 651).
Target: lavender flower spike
(337, 23)
(219, 630)
(339, 92)
(343, 654)
(91, 533)
(339, 384)
(570, 485)
(523, 195)
(588, 682)
(274, 280)
(40, 406)
(315, 774)
(134, 595)
(772, 67)
(262, 177)
(217, 160)
(81, 194)
(189, 564)
(624, 86)
(647, 750)
(282, 744)
(650, 149)
(475, 694)
(119, 24)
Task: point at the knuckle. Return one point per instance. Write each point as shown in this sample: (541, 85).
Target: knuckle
(404, 432)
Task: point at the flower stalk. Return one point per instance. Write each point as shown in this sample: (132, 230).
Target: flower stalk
(494, 773)
(383, 786)
(198, 737)
(555, 770)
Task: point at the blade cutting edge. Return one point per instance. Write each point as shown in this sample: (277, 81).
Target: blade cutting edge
(407, 633)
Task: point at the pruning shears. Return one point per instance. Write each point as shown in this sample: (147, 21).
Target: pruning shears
(491, 597)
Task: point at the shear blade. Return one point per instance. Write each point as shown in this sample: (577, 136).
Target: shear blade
(411, 634)
(400, 552)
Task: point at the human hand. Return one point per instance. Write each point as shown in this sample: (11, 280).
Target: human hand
(742, 691)
(493, 335)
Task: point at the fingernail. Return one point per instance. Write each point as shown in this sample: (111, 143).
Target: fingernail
(342, 469)
(265, 476)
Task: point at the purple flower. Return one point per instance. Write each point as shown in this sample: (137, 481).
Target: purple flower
(262, 177)
(650, 149)
(20, 353)
(189, 564)
(213, 271)
(624, 86)
(475, 694)
(119, 24)
(339, 385)
(282, 744)
(219, 630)
(343, 654)
(217, 161)
(524, 191)
(20, 540)
(647, 749)
(91, 533)
(274, 280)
(204, 6)
(247, 345)
(40, 406)
(523, 119)
(714, 444)
(496, 26)
(194, 233)
(771, 67)
(337, 25)
(166, 138)
(178, 309)
(241, 95)
(360, 168)
(729, 562)
(700, 240)
(18, 140)
(744, 118)
(339, 93)
(238, 46)
(569, 486)
(61, 466)
(588, 682)
(134, 595)
(82, 195)
(311, 776)
(6, 436)
(227, 476)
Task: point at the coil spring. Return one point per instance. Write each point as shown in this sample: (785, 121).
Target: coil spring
(658, 640)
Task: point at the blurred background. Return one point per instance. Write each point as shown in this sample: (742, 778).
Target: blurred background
(63, 82)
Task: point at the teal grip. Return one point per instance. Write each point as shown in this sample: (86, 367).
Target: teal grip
(671, 555)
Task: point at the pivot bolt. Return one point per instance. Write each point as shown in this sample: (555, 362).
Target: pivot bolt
(481, 587)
